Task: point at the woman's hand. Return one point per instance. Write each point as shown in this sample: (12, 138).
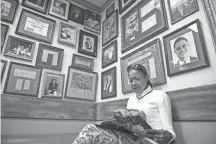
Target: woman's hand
(159, 136)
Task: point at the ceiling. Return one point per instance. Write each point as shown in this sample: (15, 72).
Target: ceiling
(98, 3)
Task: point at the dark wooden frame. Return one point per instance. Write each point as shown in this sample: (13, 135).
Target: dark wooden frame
(73, 8)
(84, 59)
(3, 69)
(12, 13)
(123, 8)
(87, 12)
(36, 8)
(4, 35)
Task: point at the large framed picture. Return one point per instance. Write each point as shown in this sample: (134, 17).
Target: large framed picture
(92, 21)
(22, 80)
(76, 14)
(143, 22)
(82, 62)
(110, 10)
(49, 57)
(150, 56)
(35, 26)
(53, 85)
(179, 9)
(88, 43)
(210, 10)
(81, 84)
(185, 49)
(19, 48)
(59, 8)
(108, 83)
(37, 5)
(124, 4)
(110, 54)
(4, 30)
(110, 28)
(3, 67)
(67, 34)
(8, 10)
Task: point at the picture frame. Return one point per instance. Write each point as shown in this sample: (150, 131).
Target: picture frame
(88, 43)
(110, 28)
(192, 56)
(37, 5)
(81, 62)
(144, 21)
(92, 21)
(150, 56)
(4, 30)
(59, 9)
(108, 84)
(81, 85)
(49, 57)
(8, 10)
(23, 80)
(110, 10)
(76, 14)
(19, 48)
(67, 34)
(3, 68)
(180, 10)
(210, 11)
(110, 54)
(124, 4)
(53, 85)
(35, 26)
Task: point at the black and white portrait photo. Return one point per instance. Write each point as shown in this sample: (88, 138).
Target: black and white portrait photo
(76, 14)
(88, 43)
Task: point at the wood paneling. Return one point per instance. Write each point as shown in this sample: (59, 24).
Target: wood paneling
(29, 107)
(192, 104)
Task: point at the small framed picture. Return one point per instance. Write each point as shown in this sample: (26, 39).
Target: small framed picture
(110, 10)
(59, 8)
(76, 14)
(3, 67)
(19, 48)
(49, 57)
(109, 54)
(4, 30)
(22, 80)
(124, 4)
(81, 84)
(67, 34)
(38, 5)
(88, 43)
(92, 21)
(185, 49)
(108, 83)
(8, 10)
(82, 62)
(110, 28)
(179, 9)
(35, 26)
(53, 85)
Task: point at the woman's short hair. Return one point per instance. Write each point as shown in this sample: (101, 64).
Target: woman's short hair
(140, 68)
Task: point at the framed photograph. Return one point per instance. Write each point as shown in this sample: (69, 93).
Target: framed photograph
(185, 49)
(76, 14)
(82, 62)
(81, 84)
(124, 4)
(150, 56)
(3, 67)
(35, 26)
(110, 10)
(49, 57)
(92, 21)
(22, 80)
(210, 10)
(53, 85)
(59, 8)
(110, 54)
(37, 5)
(179, 9)
(67, 34)
(8, 10)
(144, 21)
(108, 83)
(88, 43)
(4, 30)
(19, 48)
(110, 28)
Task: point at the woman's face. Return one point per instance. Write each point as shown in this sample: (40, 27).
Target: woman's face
(137, 80)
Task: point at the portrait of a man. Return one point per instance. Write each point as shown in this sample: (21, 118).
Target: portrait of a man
(88, 43)
(108, 85)
(53, 87)
(76, 14)
(59, 7)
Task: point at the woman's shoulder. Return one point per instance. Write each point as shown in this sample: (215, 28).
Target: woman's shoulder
(159, 94)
